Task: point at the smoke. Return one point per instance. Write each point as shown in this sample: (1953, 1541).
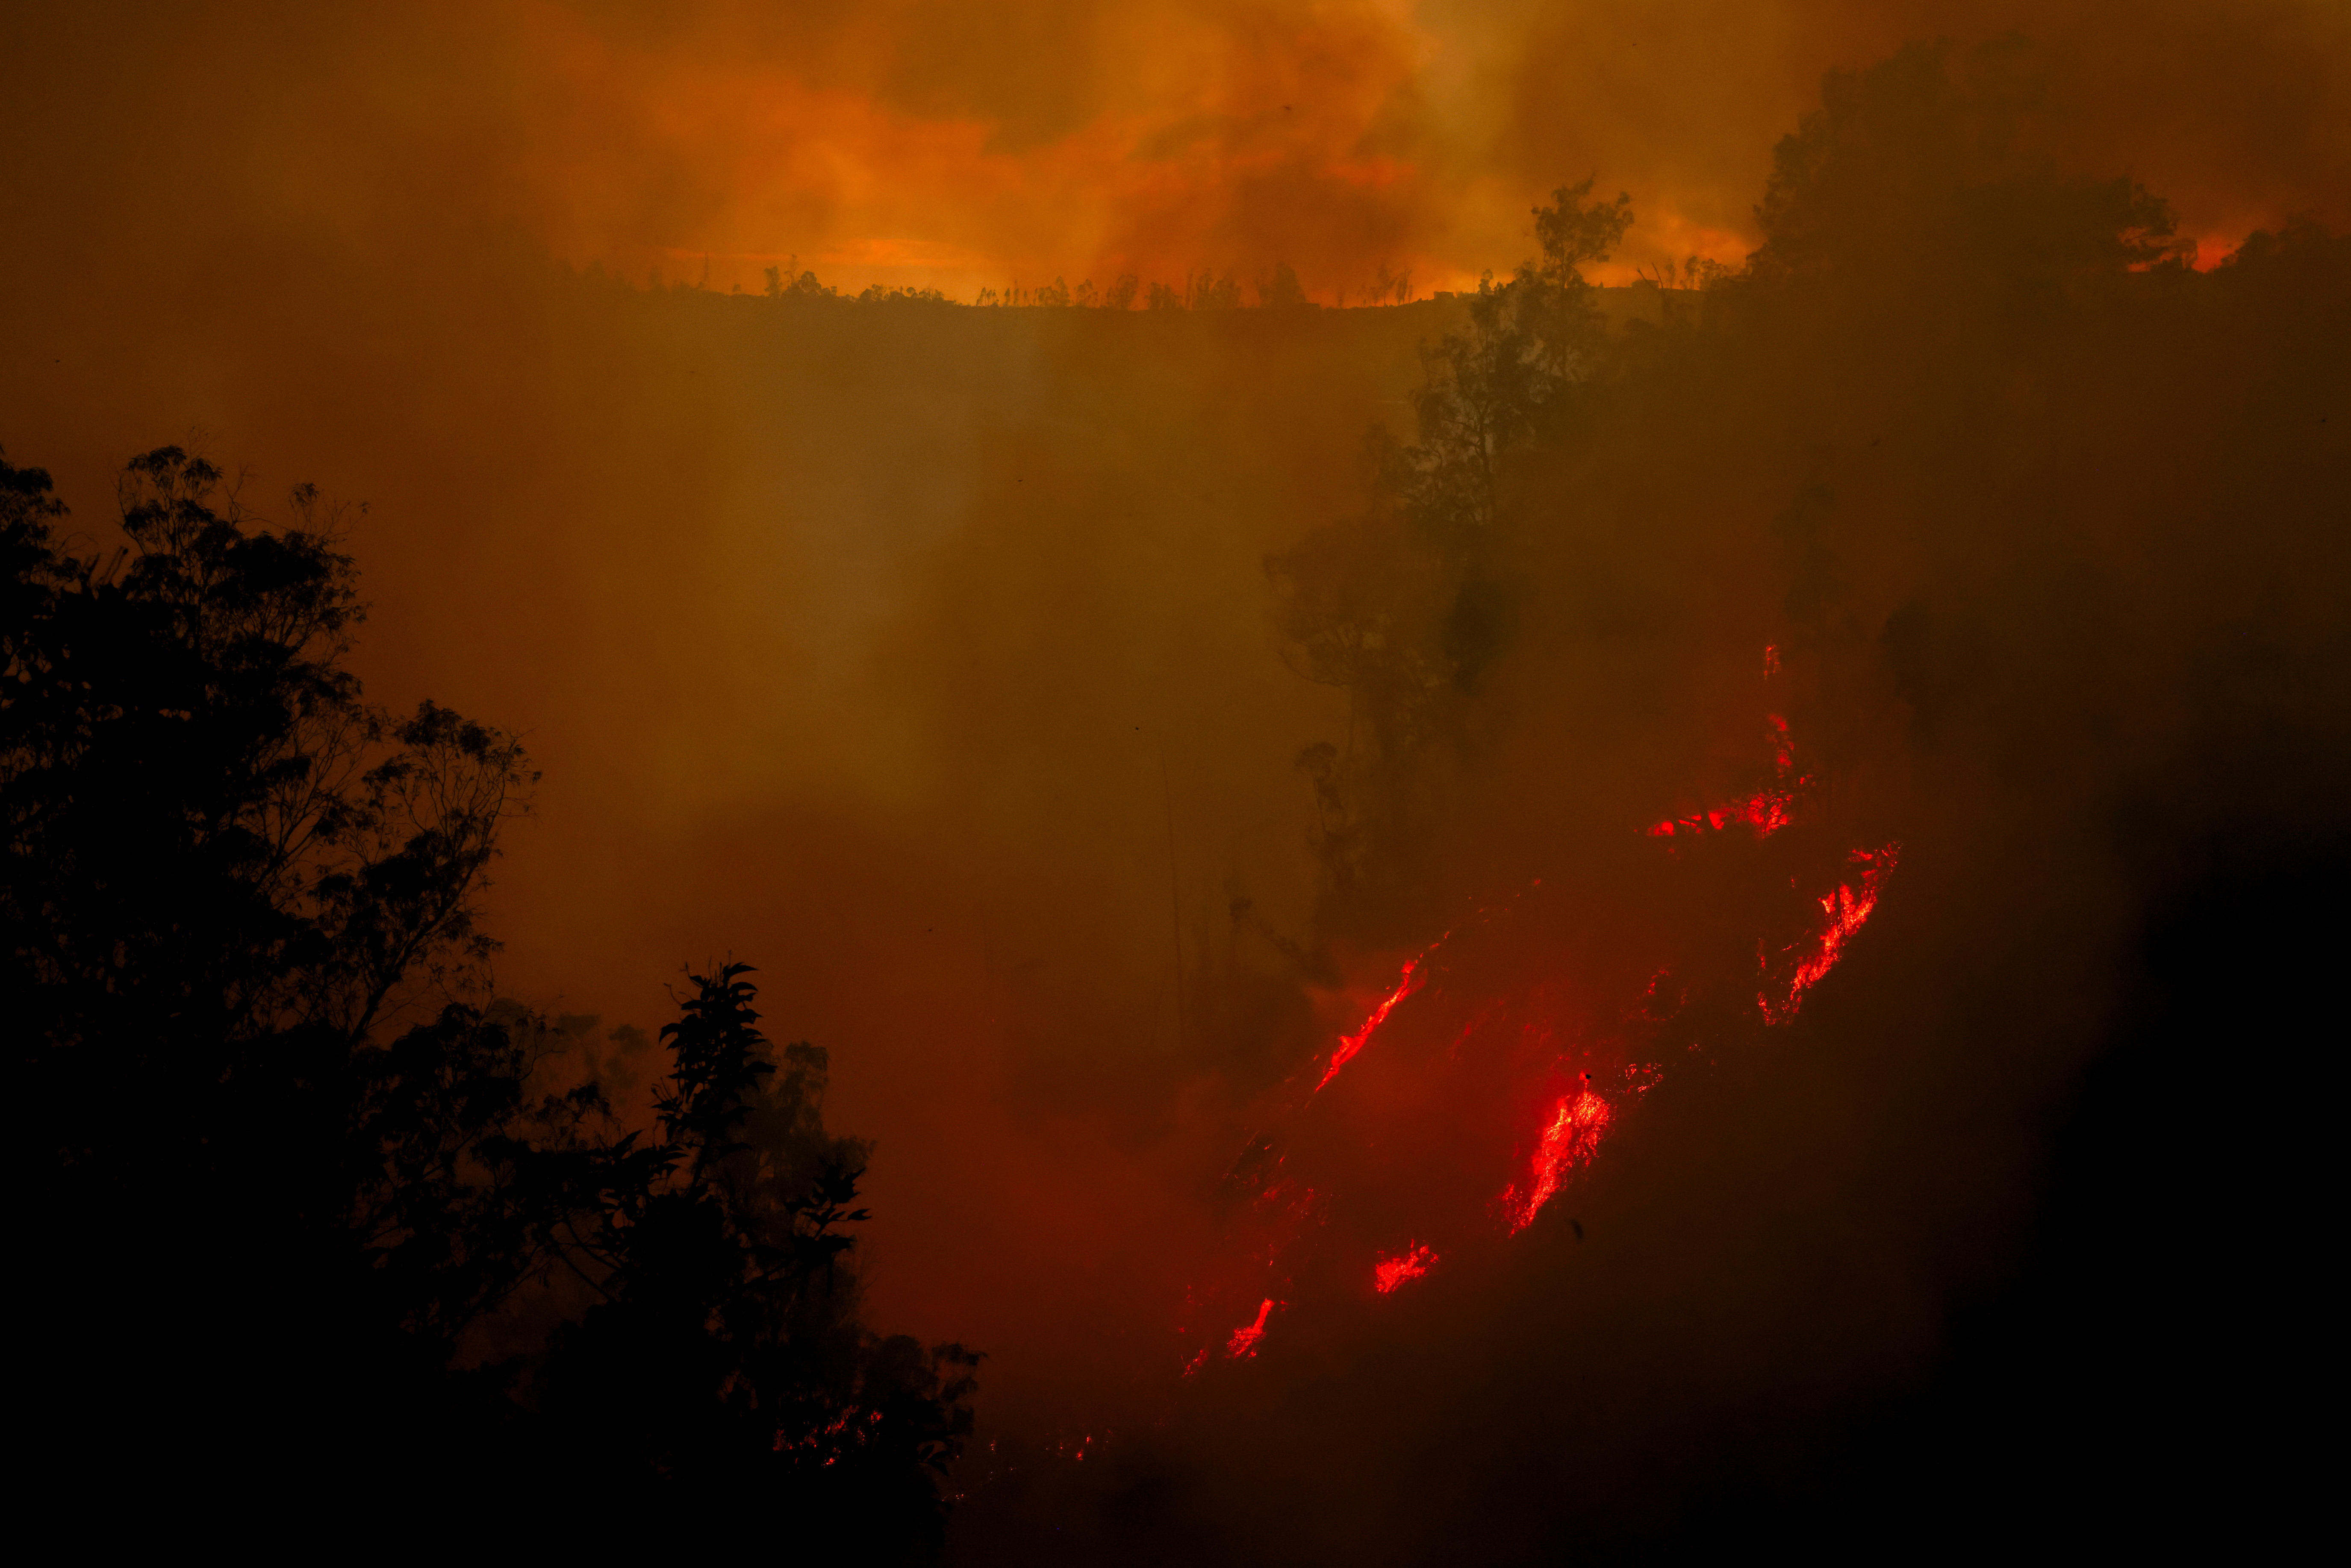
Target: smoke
(923, 656)
(930, 144)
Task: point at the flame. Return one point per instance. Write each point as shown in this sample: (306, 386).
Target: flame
(1848, 910)
(1768, 809)
(1571, 1139)
(1349, 1044)
(1766, 812)
(1243, 1344)
(1511, 1035)
(1413, 1264)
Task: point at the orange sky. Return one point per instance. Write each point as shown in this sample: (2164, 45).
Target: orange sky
(960, 147)
(936, 144)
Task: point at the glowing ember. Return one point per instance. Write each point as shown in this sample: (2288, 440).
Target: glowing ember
(1349, 1044)
(1848, 910)
(1243, 1344)
(850, 1429)
(1768, 809)
(1497, 1037)
(1390, 1273)
(1766, 812)
(1571, 1140)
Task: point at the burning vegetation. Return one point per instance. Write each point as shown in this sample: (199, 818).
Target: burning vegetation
(1497, 1025)
(1606, 901)
(1650, 1071)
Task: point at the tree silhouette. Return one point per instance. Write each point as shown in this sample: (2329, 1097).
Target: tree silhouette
(1407, 605)
(723, 1357)
(286, 1159)
(228, 877)
(1281, 287)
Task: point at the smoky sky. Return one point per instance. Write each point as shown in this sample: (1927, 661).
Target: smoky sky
(922, 658)
(940, 145)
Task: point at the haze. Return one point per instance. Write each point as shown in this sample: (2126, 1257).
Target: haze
(926, 656)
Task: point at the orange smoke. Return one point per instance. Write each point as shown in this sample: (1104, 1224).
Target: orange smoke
(929, 145)
(1155, 140)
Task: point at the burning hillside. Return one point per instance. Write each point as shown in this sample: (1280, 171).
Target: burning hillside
(1494, 1067)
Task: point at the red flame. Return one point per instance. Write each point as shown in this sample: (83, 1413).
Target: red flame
(1848, 910)
(1766, 812)
(1349, 1044)
(1528, 1043)
(1243, 1344)
(1572, 1137)
(1411, 1264)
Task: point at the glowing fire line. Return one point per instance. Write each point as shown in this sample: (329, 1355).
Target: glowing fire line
(1243, 1344)
(1572, 1137)
(1413, 1264)
(1574, 1125)
(1349, 1044)
(1848, 910)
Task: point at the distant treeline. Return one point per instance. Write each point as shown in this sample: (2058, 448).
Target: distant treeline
(1204, 290)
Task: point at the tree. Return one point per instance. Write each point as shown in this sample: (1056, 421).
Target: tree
(1491, 389)
(1408, 605)
(1205, 290)
(1280, 288)
(285, 1158)
(723, 1357)
(228, 876)
(782, 283)
(1911, 168)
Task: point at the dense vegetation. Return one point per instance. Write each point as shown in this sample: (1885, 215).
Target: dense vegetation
(302, 1205)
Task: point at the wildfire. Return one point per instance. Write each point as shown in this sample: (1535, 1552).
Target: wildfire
(1768, 809)
(1572, 1137)
(1848, 910)
(1412, 1264)
(1766, 812)
(1512, 1035)
(1349, 1044)
(1243, 1344)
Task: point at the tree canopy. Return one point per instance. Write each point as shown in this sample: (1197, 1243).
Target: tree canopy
(292, 1168)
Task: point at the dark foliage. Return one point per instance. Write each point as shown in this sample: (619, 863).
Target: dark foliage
(1408, 605)
(284, 1167)
(722, 1359)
